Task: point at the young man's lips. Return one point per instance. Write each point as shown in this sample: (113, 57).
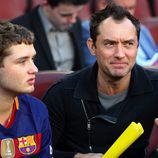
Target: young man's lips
(31, 81)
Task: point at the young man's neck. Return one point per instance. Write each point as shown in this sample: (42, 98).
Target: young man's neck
(6, 106)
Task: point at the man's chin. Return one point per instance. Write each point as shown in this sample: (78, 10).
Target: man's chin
(118, 76)
(66, 27)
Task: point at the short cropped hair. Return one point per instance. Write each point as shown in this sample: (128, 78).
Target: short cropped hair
(117, 13)
(12, 34)
(54, 3)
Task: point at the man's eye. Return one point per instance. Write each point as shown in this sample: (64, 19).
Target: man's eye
(109, 44)
(66, 15)
(129, 44)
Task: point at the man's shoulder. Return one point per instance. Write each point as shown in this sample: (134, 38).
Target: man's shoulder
(80, 74)
(152, 72)
(30, 104)
(25, 20)
(149, 72)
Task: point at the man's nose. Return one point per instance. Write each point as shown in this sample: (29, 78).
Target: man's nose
(72, 18)
(119, 52)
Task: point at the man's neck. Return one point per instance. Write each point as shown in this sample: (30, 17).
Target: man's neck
(109, 86)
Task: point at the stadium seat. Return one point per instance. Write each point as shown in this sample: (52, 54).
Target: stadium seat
(10, 9)
(46, 78)
(153, 141)
(142, 9)
(156, 7)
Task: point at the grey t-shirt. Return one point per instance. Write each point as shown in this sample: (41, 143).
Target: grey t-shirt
(109, 101)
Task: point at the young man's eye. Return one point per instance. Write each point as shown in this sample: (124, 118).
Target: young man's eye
(34, 58)
(21, 61)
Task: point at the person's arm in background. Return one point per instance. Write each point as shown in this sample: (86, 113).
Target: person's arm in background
(146, 38)
(89, 58)
(147, 50)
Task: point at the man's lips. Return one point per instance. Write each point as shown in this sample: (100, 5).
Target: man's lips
(119, 64)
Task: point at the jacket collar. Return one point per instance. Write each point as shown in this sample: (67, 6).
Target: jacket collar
(40, 34)
(86, 87)
(140, 81)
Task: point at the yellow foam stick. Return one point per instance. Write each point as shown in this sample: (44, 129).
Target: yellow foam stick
(131, 133)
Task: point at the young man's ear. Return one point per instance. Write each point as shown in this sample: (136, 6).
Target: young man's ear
(91, 46)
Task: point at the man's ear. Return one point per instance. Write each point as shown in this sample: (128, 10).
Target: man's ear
(91, 46)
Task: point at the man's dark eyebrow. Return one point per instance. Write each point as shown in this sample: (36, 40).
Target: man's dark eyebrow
(110, 40)
(115, 42)
(130, 40)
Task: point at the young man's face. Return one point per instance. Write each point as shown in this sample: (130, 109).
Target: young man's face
(64, 15)
(115, 47)
(17, 74)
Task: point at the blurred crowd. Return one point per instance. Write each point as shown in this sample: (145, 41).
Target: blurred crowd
(77, 58)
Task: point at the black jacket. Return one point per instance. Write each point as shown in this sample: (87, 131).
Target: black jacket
(73, 103)
(44, 59)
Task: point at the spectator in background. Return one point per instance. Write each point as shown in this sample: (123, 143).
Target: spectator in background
(58, 34)
(94, 5)
(24, 122)
(90, 108)
(147, 50)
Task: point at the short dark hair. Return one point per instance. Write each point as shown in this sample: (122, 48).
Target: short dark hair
(54, 3)
(117, 13)
(12, 34)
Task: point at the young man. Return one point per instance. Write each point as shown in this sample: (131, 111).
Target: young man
(24, 123)
(58, 34)
(91, 108)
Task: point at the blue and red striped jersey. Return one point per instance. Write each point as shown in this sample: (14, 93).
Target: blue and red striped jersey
(29, 134)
